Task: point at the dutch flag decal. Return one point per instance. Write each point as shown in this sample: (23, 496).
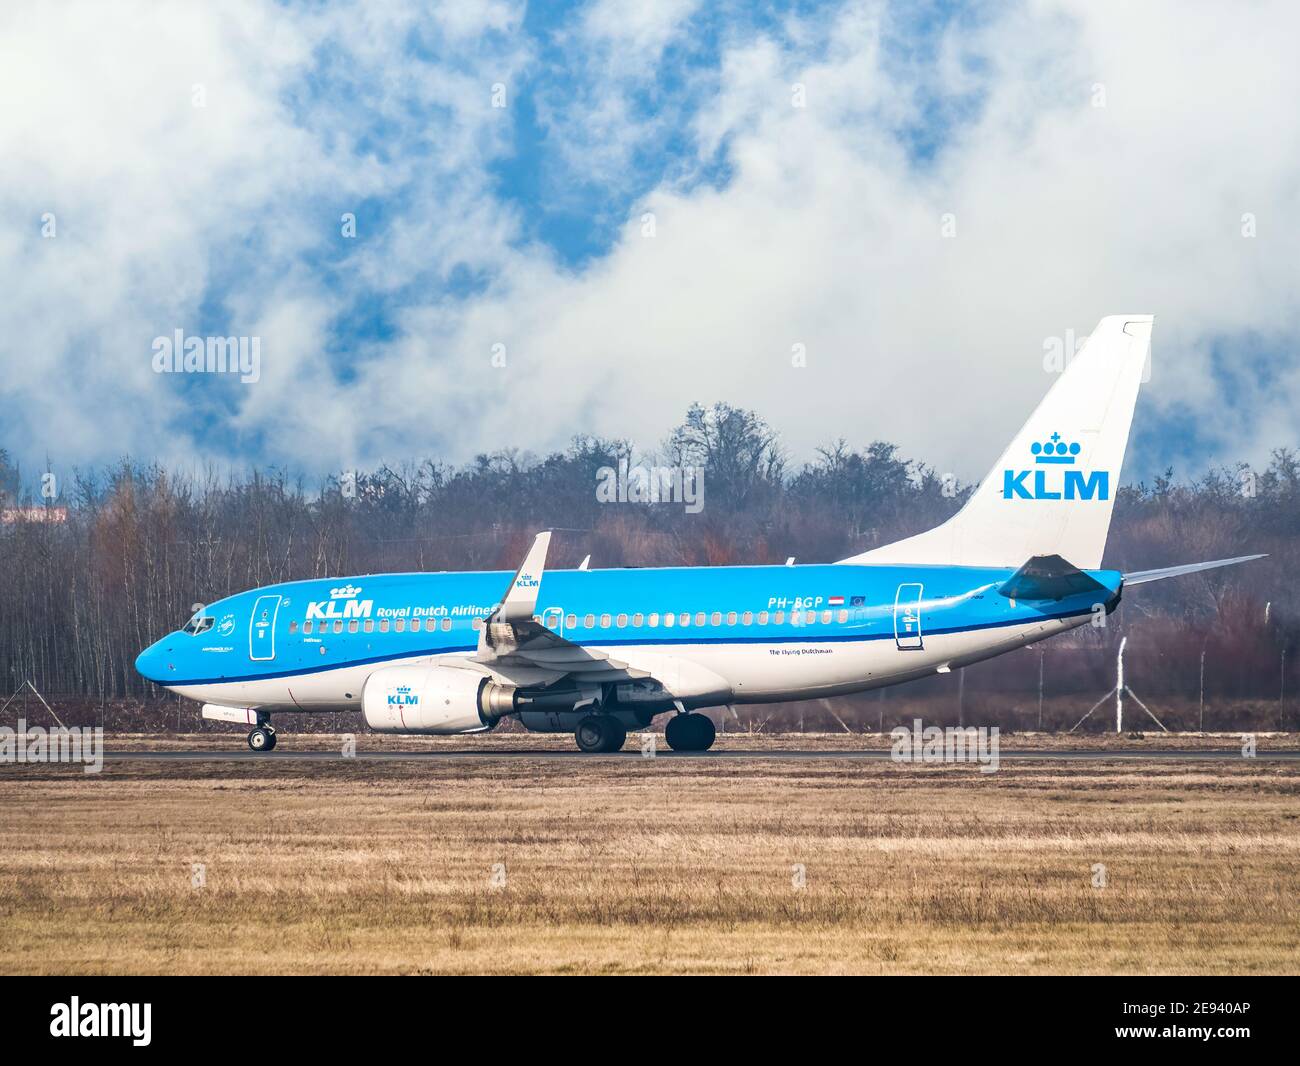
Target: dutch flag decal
(836, 601)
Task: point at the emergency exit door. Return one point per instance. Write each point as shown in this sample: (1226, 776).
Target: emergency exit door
(907, 617)
(261, 628)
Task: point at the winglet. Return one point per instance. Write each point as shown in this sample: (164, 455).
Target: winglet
(521, 598)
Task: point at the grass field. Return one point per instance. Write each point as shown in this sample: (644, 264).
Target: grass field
(650, 865)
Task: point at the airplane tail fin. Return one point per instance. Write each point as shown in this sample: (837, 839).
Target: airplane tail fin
(1053, 489)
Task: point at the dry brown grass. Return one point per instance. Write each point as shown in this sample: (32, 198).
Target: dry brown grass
(650, 866)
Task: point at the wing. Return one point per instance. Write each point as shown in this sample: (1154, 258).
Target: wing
(515, 644)
(1140, 577)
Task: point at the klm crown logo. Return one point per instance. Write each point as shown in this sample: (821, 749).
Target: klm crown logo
(1055, 451)
(403, 697)
(1040, 484)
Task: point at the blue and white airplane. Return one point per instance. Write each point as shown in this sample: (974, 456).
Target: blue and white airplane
(600, 652)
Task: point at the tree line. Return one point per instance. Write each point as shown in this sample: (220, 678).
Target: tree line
(142, 544)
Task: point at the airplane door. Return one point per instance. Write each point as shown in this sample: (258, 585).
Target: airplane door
(553, 619)
(261, 628)
(907, 617)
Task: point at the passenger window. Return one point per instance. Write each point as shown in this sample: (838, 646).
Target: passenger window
(369, 626)
(685, 620)
(338, 626)
(353, 626)
(477, 623)
(293, 627)
(622, 621)
(383, 625)
(699, 618)
(638, 620)
(731, 618)
(779, 617)
(446, 625)
(669, 620)
(844, 617)
(826, 617)
(604, 621)
(308, 626)
(653, 620)
(417, 624)
(762, 618)
(400, 625)
(589, 622)
(748, 618)
(571, 621)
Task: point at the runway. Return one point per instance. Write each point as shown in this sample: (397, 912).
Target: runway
(876, 755)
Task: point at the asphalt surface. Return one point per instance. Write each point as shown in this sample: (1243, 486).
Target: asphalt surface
(877, 754)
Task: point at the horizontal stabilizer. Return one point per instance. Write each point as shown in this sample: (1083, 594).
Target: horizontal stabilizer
(1140, 577)
(1049, 577)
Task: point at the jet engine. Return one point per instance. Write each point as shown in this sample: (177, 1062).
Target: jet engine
(434, 699)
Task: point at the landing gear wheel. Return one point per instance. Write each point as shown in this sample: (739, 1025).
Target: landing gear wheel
(690, 732)
(261, 739)
(599, 733)
(271, 746)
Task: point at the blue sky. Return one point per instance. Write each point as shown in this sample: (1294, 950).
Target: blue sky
(798, 160)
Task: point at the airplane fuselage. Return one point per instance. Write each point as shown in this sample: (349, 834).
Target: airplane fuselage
(766, 633)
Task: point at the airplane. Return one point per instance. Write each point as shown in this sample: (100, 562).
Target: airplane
(601, 652)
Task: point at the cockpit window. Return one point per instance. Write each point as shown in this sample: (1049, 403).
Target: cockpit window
(200, 623)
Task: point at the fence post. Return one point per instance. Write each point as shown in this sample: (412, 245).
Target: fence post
(1119, 687)
(1202, 688)
(1041, 653)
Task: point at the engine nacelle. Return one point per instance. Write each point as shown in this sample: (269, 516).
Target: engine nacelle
(433, 699)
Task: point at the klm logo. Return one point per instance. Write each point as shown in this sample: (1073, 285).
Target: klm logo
(402, 696)
(342, 604)
(527, 581)
(1052, 477)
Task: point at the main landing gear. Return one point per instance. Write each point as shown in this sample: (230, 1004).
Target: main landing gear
(690, 732)
(262, 736)
(600, 734)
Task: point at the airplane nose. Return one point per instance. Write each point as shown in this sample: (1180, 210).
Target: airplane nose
(150, 663)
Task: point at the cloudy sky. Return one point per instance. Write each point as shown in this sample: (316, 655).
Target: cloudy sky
(585, 218)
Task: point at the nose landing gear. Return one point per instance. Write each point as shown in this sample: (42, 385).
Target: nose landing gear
(262, 736)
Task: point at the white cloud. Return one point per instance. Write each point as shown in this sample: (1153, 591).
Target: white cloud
(827, 233)
(828, 236)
